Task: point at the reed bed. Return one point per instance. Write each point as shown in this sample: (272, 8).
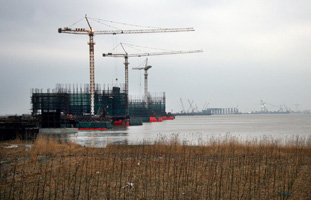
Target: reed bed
(162, 170)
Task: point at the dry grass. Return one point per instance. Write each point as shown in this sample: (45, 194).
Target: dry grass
(163, 170)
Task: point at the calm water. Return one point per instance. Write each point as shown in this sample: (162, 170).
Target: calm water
(201, 129)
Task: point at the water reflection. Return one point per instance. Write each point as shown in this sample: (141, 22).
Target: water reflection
(196, 130)
(118, 135)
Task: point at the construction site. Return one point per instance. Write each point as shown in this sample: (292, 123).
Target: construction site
(68, 106)
(193, 109)
(94, 106)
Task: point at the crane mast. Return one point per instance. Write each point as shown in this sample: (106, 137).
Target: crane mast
(92, 67)
(126, 64)
(92, 74)
(91, 33)
(146, 68)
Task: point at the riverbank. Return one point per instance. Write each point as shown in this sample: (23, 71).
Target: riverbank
(48, 169)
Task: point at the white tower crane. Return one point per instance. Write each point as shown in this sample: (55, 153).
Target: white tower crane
(126, 63)
(146, 68)
(91, 33)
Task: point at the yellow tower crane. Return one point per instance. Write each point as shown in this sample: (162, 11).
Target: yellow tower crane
(126, 63)
(91, 33)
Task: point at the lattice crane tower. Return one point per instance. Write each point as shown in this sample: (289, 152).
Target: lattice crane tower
(146, 68)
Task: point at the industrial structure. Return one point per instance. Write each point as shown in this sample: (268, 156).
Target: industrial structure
(90, 106)
(74, 100)
(91, 33)
(58, 107)
(155, 108)
(69, 106)
(125, 55)
(146, 68)
(194, 110)
(277, 109)
(221, 111)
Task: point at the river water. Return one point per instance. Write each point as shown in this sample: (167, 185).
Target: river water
(194, 130)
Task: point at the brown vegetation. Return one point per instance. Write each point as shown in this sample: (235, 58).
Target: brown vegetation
(163, 170)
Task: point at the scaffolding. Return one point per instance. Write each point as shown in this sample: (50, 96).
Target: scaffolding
(74, 101)
(67, 105)
(156, 106)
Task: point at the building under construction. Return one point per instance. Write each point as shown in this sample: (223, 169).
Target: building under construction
(154, 107)
(72, 102)
(68, 105)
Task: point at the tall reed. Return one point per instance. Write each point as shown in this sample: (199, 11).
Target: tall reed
(166, 169)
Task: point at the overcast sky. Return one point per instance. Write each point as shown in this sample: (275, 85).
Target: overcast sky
(253, 50)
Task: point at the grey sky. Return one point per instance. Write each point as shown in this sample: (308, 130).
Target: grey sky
(253, 50)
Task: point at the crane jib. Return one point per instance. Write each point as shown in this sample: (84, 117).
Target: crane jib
(114, 32)
(149, 54)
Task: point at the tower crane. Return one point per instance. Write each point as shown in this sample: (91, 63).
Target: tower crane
(182, 105)
(205, 106)
(190, 106)
(126, 63)
(146, 68)
(91, 33)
